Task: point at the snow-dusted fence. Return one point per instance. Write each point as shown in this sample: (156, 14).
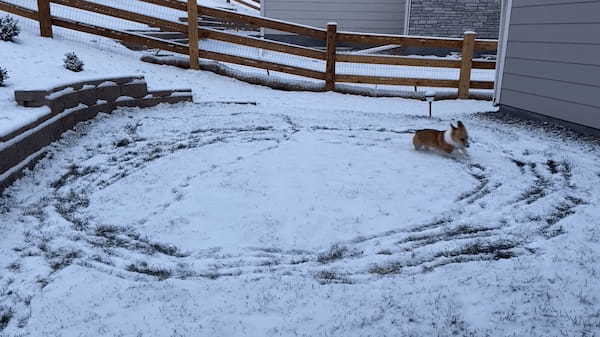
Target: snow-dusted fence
(335, 63)
(254, 4)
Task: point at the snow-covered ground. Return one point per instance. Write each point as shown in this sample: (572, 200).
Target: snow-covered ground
(306, 214)
(98, 54)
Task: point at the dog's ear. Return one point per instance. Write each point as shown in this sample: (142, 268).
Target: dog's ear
(460, 124)
(453, 127)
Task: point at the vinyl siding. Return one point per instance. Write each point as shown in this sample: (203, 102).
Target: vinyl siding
(374, 16)
(553, 60)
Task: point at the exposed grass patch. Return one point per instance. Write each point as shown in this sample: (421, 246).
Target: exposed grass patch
(331, 277)
(6, 315)
(42, 282)
(102, 259)
(213, 275)
(107, 230)
(431, 225)
(122, 142)
(518, 162)
(73, 172)
(144, 268)
(386, 269)
(552, 166)
(564, 209)
(479, 191)
(234, 130)
(499, 250)
(36, 211)
(539, 188)
(300, 260)
(336, 252)
(14, 267)
(384, 252)
(62, 258)
(566, 170)
(461, 231)
(69, 203)
(111, 236)
(165, 249)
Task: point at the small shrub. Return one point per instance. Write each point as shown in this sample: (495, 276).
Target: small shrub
(73, 63)
(9, 28)
(3, 76)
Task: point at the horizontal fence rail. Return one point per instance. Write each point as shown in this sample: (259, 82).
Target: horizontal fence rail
(329, 57)
(263, 44)
(250, 4)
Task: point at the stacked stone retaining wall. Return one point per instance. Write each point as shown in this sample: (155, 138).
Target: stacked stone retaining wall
(68, 105)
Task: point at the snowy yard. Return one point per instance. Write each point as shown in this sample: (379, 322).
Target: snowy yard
(283, 219)
(307, 214)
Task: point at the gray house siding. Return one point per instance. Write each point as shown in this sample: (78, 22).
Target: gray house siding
(552, 64)
(451, 18)
(374, 16)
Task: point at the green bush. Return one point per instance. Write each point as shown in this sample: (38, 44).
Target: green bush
(9, 28)
(73, 63)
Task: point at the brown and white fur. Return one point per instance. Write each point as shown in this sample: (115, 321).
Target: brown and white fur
(455, 138)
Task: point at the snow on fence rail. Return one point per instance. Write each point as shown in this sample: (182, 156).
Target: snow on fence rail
(331, 65)
(254, 4)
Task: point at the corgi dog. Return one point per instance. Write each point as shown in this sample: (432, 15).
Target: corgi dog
(455, 138)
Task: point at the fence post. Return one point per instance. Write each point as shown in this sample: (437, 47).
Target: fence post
(44, 18)
(466, 64)
(193, 33)
(331, 51)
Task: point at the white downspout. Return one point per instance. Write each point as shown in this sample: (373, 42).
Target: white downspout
(502, 46)
(407, 17)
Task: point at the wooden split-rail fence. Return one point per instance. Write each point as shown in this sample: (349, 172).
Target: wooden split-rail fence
(254, 4)
(468, 45)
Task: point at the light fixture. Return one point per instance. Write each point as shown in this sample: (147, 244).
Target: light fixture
(430, 97)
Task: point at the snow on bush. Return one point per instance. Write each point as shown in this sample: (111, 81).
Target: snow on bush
(3, 76)
(73, 63)
(9, 28)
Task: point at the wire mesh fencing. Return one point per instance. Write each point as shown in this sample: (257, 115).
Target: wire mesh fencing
(261, 49)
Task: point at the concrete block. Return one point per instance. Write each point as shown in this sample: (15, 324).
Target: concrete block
(131, 103)
(161, 93)
(108, 93)
(69, 100)
(31, 98)
(56, 106)
(124, 80)
(105, 108)
(87, 97)
(137, 90)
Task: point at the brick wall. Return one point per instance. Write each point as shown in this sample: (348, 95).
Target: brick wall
(451, 18)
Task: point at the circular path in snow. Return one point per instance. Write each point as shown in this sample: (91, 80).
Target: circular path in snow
(231, 188)
(262, 196)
